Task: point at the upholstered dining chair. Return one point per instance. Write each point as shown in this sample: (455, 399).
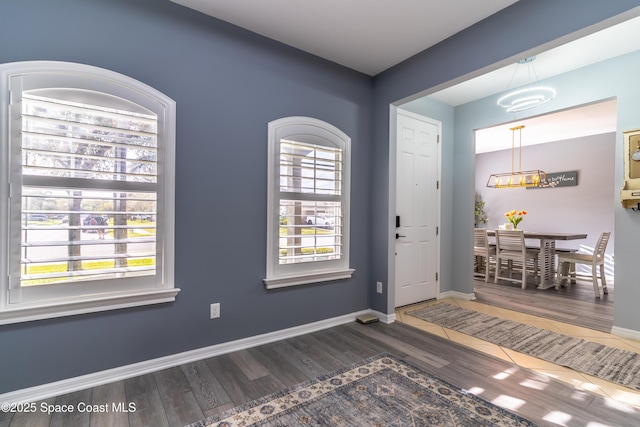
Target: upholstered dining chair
(510, 247)
(567, 261)
(482, 250)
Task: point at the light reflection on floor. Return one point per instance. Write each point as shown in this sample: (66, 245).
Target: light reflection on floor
(581, 382)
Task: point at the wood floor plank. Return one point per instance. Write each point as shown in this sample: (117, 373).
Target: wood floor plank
(180, 404)
(397, 343)
(112, 397)
(532, 395)
(251, 366)
(349, 351)
(36, 418)
(5, 418)
(575, 305)
(73, 416)
(269, 384)
(220, 383)
(278, 365)
(354, 340)
(309, 367)
(143, 392)
(236, 384)
(206, 388)
(326, 353)
(219, 410)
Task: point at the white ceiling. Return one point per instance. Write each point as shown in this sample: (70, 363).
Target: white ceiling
(600, 46)
(578, 122)
(593, 119)
(365, 35)
(371, 36)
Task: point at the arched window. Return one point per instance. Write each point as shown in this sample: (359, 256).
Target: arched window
(89, 191)
(308, 202)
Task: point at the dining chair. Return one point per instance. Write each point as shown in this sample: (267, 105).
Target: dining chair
(567, 265)
(484, 251)
(510, 247)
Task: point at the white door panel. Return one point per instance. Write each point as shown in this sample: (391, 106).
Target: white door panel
(418, 205)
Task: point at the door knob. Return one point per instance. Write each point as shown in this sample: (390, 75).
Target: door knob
(399, 235)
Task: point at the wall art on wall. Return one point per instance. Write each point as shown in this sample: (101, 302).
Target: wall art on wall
(560, 179)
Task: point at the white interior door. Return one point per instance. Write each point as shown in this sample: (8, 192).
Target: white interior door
(418, 208)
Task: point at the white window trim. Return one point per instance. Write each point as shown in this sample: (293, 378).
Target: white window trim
(317, 271)
(118, 84)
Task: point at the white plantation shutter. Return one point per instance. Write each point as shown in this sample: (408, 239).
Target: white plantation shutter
(310, 199)
(310, 168)
(308, 211)
(90, 192)
(81, 162)
(68, 139)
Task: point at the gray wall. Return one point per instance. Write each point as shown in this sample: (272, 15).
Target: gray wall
(228, 84)
(585, 208)
(611, 79)
(526, 26)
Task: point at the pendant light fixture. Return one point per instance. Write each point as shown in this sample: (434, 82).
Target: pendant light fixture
(517, 178)
(528, 97)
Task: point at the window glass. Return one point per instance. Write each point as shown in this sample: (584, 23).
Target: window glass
(64, 218)
(309, 183)
(89, 193)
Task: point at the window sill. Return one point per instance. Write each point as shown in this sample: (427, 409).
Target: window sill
(25, 313)
(303, 279)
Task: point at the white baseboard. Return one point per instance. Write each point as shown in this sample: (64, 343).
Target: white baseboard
(625, 333)
(384, 318)
(457, 295)
(45, 391)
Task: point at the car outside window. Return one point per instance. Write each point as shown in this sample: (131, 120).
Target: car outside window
(309, 185)
(88, 149)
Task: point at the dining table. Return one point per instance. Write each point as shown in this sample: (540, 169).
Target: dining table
(547, 258)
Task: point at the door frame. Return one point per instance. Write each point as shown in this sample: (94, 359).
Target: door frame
(391, 231)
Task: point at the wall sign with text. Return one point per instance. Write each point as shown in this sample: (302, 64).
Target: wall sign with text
(561, 179)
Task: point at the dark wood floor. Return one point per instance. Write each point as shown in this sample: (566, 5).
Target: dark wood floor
(575, 304)
(184, 394)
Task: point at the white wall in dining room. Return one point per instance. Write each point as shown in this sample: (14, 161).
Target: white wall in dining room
(585, 208)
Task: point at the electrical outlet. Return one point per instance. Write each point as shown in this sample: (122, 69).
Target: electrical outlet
(379, 287)
(215, 310)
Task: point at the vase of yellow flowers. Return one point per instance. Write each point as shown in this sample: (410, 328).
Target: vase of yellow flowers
(514, 217)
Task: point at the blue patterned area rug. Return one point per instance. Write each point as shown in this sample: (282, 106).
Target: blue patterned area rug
(608, 363)
(379, 392)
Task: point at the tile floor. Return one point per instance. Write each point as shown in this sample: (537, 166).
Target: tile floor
(578, 380)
